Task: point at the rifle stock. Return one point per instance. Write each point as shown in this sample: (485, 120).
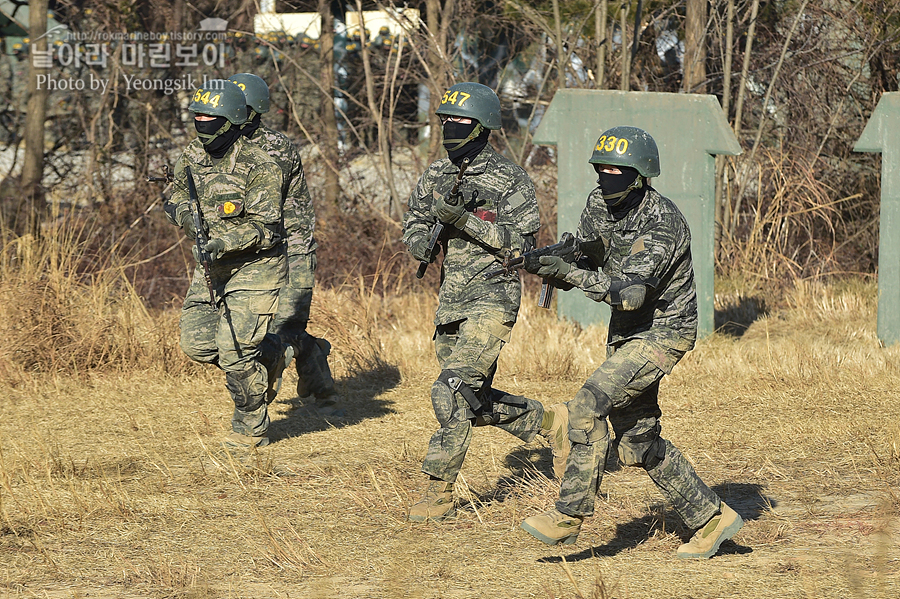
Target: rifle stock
(201, 239)
(438, 227)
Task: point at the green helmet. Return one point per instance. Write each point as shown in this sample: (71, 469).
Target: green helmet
(474, 101)
(255, 90)
(220, 97)
(627, 146)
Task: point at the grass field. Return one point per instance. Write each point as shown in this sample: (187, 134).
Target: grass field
(112, 483)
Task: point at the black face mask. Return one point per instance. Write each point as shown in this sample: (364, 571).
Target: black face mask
(217, 142)
(250, 127)
(454, 133)
(614, 190)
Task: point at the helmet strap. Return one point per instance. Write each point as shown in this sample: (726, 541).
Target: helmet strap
(461, 142)
(207, 138)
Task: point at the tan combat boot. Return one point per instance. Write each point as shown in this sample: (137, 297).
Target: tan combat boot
(556, 419)
(706, 541)
(436, 504)
(239, 441)
(554, 527)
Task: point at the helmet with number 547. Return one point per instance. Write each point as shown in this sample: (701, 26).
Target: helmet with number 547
(220, 97)
(627, 146)
(472, 100)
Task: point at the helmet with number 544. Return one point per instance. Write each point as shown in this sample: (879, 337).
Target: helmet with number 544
(627, 146)
(220, 97)
(474, 101)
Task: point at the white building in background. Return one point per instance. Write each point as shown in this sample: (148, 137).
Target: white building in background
(310, 23)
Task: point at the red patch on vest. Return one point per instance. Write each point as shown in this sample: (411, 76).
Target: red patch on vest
(486, 215)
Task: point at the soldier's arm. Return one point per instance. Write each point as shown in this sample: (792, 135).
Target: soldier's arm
(594, 283)
(516, 221)
(299, 200)
(261, 227)
(177, 207)
(418, 220)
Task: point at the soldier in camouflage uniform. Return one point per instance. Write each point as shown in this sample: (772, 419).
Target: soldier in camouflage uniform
(239, 188)
(313, 373)
(494, 214)
(647, 278)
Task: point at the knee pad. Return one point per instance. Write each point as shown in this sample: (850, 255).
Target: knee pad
(646, 449)
(455, 383)
(239, 385)
(587, 414)
(443, 401)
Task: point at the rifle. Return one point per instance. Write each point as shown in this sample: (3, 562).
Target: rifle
(201, 238)
(438, 227)
(168, 175)
(569, 248)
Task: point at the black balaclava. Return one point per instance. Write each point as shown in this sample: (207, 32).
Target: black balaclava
(252, 124)
(217, 135)
(464, 141)
(622, 192)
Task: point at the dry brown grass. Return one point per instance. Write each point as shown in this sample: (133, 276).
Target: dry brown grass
(112, 483)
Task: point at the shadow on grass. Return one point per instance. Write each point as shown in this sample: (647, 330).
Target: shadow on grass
(736, 315)
(746, 499)
(358, 401)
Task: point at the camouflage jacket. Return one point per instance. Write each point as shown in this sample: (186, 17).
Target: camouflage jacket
(240, 200)
(299, 217)
(653, 240)
(500, 197)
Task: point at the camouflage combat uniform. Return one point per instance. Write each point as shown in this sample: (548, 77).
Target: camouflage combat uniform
(295, 297)
(650, 242)
(240, 197)
(475, 316)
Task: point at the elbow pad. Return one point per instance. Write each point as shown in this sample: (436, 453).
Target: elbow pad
(629, 294)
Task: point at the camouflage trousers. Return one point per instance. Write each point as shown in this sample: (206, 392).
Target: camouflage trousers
(626, 390)
(294, 301)
(234, 336)
(469, 349)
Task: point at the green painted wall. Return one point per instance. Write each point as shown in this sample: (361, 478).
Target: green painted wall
(881, 135)
(689, 130)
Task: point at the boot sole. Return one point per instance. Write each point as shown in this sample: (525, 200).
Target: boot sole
(446, 516)
(730, 530)
(568, 540)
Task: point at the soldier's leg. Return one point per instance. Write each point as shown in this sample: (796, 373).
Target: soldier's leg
(246, 316)
(198, 323)
(638, 429)
(313, 372)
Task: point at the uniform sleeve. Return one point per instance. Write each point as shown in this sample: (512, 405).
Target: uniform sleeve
(299, 199)
(418, 220)
(594, 283)
(179, 202)
(262, 227)
(517, 218)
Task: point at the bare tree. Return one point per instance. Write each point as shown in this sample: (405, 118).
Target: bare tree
(32, 203)
(694, 81)
(330, 133)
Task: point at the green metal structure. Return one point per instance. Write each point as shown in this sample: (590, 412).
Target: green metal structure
(689, 130)
(880, 135)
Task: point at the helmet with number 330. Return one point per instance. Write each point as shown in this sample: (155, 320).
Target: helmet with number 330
(627, 146)
(472, 100)
(220, 97)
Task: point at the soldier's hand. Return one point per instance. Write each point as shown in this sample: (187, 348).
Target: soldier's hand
(451, 214)
(553, 267)
(187, 225)
(419, 250)
(215, 247)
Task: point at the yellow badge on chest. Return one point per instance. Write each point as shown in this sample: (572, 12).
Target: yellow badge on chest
(230, 208)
